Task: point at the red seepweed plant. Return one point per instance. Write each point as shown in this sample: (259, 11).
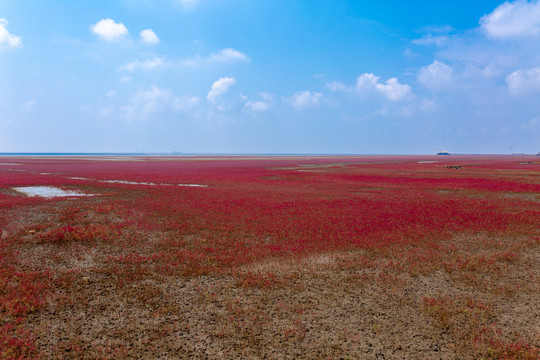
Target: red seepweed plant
(385, 222)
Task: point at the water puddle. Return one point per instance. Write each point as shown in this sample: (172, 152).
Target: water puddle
(134, 182)
(48, 191)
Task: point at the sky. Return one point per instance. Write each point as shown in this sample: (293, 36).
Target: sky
(270, 76)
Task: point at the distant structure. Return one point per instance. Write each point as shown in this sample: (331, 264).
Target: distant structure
(518, 154)
(443, 153)
(538, 153)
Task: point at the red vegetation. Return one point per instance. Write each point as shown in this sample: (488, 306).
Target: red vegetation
(258, 209)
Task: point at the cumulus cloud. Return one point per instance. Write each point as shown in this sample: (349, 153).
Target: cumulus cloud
(303, 100)
(148, 36)
(109, 30)
(337, 86)
(513, 32)
(149, 64)
(220, 87)
(435, 75)
(513, 19)
(259, 106)
(393, 90)
(6, 39)
(521, 81)
(367, 83)
(256, 106)
(228, 56)
(155, 101)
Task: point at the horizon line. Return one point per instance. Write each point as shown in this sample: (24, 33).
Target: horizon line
(176, 153)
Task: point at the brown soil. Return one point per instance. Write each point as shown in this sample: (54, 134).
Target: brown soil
(345, 305)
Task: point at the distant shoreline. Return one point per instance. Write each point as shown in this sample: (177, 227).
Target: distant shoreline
(234, 154)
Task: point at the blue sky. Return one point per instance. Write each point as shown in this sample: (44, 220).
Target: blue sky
(270, 76)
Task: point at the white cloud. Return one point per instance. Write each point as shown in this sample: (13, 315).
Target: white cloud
(302, 100)
(225, 56)
(148, 36)
(439, 29)
(228, 56)
(513, 19)
(259, 106)
(109, 30)
(149, 64)
(369, 83)
(337, 86)
(428, 105)
(490, 71)
(155, 101)
(435, 75)
(523, 80)
(191, 62)
(440, 38)
(220, 87)
(7, 39)
(393, 90)
(256, 106)
(429, 39)
(266, 96)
